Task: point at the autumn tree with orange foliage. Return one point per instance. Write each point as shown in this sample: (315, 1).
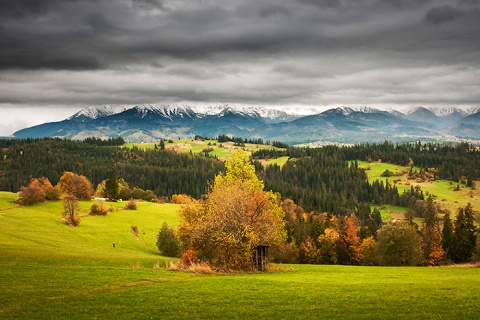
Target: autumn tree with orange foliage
(38, 190)
(77, 185)
(326, 245)
(236, 217)
(351, 240)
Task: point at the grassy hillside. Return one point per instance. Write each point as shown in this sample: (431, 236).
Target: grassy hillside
(220, 150)
(443, 190)
(38, 229)
(51, 271)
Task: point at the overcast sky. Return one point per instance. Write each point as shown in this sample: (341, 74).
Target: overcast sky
(59, 56)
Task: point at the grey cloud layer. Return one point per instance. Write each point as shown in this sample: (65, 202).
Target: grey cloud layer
(305, 52)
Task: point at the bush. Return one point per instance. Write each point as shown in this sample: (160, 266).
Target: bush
(131, 205)
(399, 245)
(387, 173)
(167, 242)
(97, 209)
(284, 253)
(32, 194)
(38, 191)
(182, 199)
(134, 230)
(189, 257)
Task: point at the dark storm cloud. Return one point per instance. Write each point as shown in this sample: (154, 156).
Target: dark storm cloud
(22, 8)
(268, 52)
(324, 3)
(273, 10)
(443, 14)
(407, 3)
(148, 4)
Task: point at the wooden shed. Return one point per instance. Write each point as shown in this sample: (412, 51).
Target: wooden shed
(260, 257)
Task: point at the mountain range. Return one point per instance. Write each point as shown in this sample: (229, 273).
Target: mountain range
(148, 123)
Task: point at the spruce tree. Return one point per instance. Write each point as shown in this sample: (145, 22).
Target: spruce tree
(447, 236)
(431, 236)
(111, 187)
(464, 239)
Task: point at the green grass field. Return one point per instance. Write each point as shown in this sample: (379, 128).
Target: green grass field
(51, 271)
(442, 190)
(220, 150)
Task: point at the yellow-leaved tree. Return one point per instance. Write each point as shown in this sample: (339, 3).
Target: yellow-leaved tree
(236, 217)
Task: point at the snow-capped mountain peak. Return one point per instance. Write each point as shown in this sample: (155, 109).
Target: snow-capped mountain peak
(94, 113)
(166, 111)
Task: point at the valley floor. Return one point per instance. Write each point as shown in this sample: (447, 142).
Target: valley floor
(51, 271)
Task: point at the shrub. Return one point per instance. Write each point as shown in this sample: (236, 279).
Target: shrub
(32, 194)
(97, 209)
(399, 245)
(134, 230)
(284, 253)
(200, 268)
(189, 257)
(38, 191)
(182, 199)
(167, 242)
(131, 205)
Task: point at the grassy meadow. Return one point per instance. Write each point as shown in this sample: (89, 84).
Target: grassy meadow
(443, 190)
(222, 151)
(51, 271)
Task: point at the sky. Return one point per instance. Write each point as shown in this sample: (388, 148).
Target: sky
(60, 56)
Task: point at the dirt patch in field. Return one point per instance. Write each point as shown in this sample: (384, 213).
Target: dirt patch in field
(397, 215)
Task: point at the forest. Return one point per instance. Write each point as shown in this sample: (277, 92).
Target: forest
(163, 172)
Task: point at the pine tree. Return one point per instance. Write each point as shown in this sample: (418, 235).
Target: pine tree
(431, 236)
(167, 242)
(111, 187)
(447, 236)
(464, 239)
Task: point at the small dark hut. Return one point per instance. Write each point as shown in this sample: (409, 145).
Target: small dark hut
(260, 257)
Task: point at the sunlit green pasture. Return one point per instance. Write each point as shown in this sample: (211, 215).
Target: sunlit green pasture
(279, 161)
(143, 146)
(51, 271)
(213, 147)
(39, 228)
(442, 190)
(391, 212)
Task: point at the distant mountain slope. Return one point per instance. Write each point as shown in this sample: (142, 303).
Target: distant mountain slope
(92, 113)
(144, 123)
(471, 119)
(442, 118)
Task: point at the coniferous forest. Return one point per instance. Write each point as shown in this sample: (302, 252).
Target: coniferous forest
(165, 173)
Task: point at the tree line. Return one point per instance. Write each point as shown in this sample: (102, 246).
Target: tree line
(454, 162)
(164, 172)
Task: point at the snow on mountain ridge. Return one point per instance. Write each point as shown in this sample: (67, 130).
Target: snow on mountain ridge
(268, 113)
(443, 111)
(165, 111)
(95, 112)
